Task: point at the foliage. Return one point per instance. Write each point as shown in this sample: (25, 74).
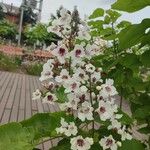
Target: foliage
(1, 13)
(7, 30)
(130, 5)
(39, 33)
(29, 16)
(8, 63)
(14, 136)
(34, 68)
(126, 57)
(25, 135)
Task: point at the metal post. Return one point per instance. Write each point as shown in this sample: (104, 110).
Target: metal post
(21, 22)
(40, 10)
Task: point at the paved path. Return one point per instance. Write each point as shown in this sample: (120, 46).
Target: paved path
(15, 100)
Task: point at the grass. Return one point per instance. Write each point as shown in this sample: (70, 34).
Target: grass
(14, 64)
(8, 63)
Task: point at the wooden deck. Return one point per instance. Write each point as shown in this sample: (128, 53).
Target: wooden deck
(16, 103)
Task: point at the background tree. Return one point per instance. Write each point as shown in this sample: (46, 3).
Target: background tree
(38, 35)
(1, 13)
(8, 30)
(29, 16)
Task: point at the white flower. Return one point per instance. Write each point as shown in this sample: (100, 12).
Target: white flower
(84, 34)
(61, 53)
(90, 68)
(50, 98)
(79, 143)
(54, 28)
(83, 89)
(108, 143)
(96, 76)
(67, 128)
(77, 54)
(91, 50)
(124, 134)
(64, 75)
(115, 124)
(106, 110)
(65, 18)
(36, 95)
(108, 89)
(47, 72)
(71, 104)
(51, 47)
(85, 111)
(80, 75)
(45, 75)
(71, 85)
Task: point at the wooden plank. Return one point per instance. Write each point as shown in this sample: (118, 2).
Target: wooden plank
(3, 88)
(12, 93)
(21, 115)
(6, 96)
(39, 103)
(28, 112)
(3, 77)
(6, 115)
(32, 89)
(15, 107)
(23, 95)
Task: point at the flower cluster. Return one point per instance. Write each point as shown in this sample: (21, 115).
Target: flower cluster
(88, 95)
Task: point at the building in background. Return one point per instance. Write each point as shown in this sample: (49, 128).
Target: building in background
(11, 12)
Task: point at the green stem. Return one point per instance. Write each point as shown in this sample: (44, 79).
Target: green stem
(70, 66)
(91, 100)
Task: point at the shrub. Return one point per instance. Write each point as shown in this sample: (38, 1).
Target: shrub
(34, 69)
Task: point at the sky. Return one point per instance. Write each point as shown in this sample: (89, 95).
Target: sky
(85, 7)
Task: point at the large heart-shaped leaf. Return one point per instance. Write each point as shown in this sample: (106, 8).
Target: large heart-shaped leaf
(130, 5)
(133, 34)
(131, 145)
(44, 124)
(15, 137)
(99, 12)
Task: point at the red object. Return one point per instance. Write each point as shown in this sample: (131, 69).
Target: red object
(11, 50)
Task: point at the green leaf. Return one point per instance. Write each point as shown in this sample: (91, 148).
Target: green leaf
(145, 58)
(144, 130)
(142, 112)
(133, 34)
(130, 5)
(131, 145)
(96, 24)
(114, 15)
(96, 146)
(124, 24)
(130, 61)
(15, 137)
(61, 95)
(99, 12)
(44, 124)
(125, 119)
(107, 19)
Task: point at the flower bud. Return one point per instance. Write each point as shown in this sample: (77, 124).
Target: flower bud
(119, 144)
(98, 88)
